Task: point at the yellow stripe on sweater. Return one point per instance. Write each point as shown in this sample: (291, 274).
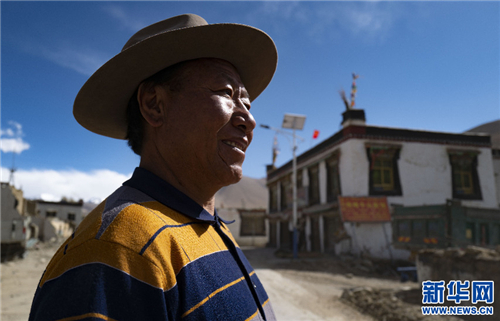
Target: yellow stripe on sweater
(213, 294)
(88, 315)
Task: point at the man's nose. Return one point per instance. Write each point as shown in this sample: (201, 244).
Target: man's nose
(243, 119)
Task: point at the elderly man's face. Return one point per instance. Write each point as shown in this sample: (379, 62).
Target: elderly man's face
(208, 123)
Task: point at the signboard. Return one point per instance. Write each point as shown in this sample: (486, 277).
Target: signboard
(364, 209)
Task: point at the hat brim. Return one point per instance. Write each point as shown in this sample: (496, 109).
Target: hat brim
(101, 103)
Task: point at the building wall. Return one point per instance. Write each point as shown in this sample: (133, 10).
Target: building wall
(12, 222)
(235, 228)
(373, 239)
(425, 176)
(424, 169)
(62, 210)
(353, 168)
(496, 169)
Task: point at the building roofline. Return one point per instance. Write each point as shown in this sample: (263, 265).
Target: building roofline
(387, 134)
(65, 203)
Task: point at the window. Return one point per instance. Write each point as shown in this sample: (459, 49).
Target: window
(433, 229)
(71, 216)
(286, 192)
(470, 232)
(485, 235)
(418, 229)
(333, 178)
(313, 185)
(50, 214)
(273, 198)
(384, 174)
(465, 181)
(252, 223)
(404, 228)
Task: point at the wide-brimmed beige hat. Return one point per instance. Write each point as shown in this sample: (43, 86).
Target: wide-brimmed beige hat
(101, 103)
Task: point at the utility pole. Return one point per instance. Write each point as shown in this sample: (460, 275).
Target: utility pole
(294, 122)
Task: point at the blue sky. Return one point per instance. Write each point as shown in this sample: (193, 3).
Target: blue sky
(422, 65)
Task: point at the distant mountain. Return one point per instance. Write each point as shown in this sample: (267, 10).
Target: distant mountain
(492, 129)
(88, 207)
(249, 193)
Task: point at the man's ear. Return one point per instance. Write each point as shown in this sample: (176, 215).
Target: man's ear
(151, 103)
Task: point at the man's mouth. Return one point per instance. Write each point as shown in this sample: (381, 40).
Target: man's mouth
(234, 144)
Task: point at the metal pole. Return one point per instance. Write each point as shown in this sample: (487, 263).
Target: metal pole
(294, 178)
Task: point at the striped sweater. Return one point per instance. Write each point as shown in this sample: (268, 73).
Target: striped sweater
(149, 252)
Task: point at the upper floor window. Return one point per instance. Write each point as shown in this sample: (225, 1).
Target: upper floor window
(384, 173)
(286, 192)
(313, 184)
(253, 223)
(332, 178)
(465, 181)
(50, 213)
(273, 197)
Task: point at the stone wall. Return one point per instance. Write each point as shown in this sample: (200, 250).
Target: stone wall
(472, 263)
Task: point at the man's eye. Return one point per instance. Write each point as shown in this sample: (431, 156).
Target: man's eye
(227, 91)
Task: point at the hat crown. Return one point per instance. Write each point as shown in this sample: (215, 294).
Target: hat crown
(170, 24)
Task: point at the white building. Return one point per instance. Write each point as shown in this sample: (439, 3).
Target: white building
(70, 212)
(13, 223)
(408, 167)
(56, 219)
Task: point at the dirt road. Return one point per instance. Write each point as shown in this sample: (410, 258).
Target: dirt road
(298, 291)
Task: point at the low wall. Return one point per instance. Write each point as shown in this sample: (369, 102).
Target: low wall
(472, 263)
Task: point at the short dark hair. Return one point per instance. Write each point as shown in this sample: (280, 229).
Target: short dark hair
(171, 77)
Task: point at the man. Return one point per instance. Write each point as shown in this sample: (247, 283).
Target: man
(180, 92)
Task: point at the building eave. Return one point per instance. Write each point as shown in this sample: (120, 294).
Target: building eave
(385, 134)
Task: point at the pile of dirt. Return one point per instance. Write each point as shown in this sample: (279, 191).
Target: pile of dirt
(385, 305)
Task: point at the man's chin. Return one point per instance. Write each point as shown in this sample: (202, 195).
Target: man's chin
(233, 176)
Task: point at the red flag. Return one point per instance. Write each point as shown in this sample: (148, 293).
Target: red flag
(316, 134)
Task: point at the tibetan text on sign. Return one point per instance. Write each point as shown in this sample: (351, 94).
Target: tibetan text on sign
(364, 209)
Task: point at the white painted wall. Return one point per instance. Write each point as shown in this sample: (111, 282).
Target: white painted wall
(371, 239)
(425, 175)
(424, 171)
(13, 222)
(353, 168)
(61, 211)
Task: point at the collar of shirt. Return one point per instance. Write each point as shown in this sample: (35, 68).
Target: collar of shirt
(150, 184)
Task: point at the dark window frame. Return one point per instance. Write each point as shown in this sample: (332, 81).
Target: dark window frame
(50, 213)
(286, 195)
(333, 189)
(385, 152)
(459, 159)
(253, 223)
(273, 197)
(314, 198)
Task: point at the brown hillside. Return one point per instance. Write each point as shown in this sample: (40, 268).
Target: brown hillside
(249, 193)
(492, 129)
